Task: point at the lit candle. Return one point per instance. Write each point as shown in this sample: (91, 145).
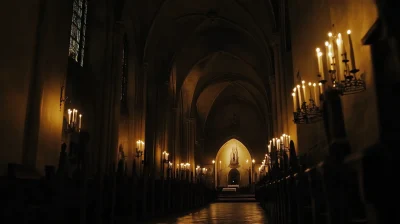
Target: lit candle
(167, 154)
(299, 94)
(73, 115)
(309, 86)
(331, 43)
(315, 94)
(76, 116)
(278, 144)
(319, 60)
(339, 42)
(304, 92)
(328, 65)
(352, 58)
(320, 88)
(69, 116)
(273, 141)
(80, 121)
(294, 102)
(269, 149)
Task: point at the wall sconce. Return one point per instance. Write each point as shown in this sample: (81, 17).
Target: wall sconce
(307, 102)
(73, 123)
(343, 78)
(62, 99)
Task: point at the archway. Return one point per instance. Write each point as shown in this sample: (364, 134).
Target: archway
(233, 161)
(234, 176)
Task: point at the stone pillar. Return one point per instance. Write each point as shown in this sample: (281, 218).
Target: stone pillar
(172, 135)
(191, 143)
(278, 48)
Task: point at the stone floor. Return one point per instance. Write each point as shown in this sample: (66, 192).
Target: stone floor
(235, 212)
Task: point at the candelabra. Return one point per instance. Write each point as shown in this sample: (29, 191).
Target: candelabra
(164, 160)
(139, 154)
(343, 78)
(73, 124)
(307, 111)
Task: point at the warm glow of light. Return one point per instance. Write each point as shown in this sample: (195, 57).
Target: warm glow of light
(294, 89)
(253, 161)
(298, 86)
(348, 31)
(318, 50)
(319, 54)
(309, 85)
(302, 82)
(319, 84)
(314, 84)
(303, 87)
(330, 54)
(326, 43)
(329, 34)
(213, 161)
(339, 35)
(293, 94)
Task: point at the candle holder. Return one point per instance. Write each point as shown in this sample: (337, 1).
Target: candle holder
(307, 102)
(351, 84)
(73, 123)
(139, 154)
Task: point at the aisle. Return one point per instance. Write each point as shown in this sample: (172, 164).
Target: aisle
(235, 212)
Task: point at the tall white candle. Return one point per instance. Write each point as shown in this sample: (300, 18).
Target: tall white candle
(320, 65)
(310, 89)
(294, 102)
(315, 94)
(73, 115)
(339, 42)
(299, 95)
(328, 65)
(304, 93)
(320, 88)
(80, 121)
(352, 57)
(269, 149)
(69, 116)
(331, 43)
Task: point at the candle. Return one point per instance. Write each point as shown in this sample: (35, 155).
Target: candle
(80, 121)
(315, 94)
(278, 144)
(304, 93)
(69, 116)
(299, 95)
(73, 115)
(331, 43)
(339, 42)
(76, 116)
(328, 65)
(273, 141)
(269, 149)
(294, 102)
(352, 58)
(320, 66)
(320, 88)
(309, 86)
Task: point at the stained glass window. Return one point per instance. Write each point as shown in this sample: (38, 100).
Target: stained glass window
(124, 80)
(78, 31)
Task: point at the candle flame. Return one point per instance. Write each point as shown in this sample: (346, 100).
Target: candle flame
(329, 34)
(293, 94)
(319, 54)
(348, 31)
(318, 50)
(303, 87)
(69, 111)
(309, 83)
(326, 43)
(294, 89)
(339, 35)
(80, 115)
(303, 82)
(298, 86)
(319, 84)
(314, 84)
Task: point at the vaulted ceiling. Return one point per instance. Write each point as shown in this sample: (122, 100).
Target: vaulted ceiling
(216, 50)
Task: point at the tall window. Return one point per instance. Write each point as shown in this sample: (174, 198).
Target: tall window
(78, 31)
(124, 80)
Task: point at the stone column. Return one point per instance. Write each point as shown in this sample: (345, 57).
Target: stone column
(191, 143)
(172, 135)
(278, 89)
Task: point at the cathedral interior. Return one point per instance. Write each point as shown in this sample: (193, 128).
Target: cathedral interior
(201, 111)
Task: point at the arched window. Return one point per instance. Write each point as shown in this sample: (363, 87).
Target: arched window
(78, 31)
(124, 80)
